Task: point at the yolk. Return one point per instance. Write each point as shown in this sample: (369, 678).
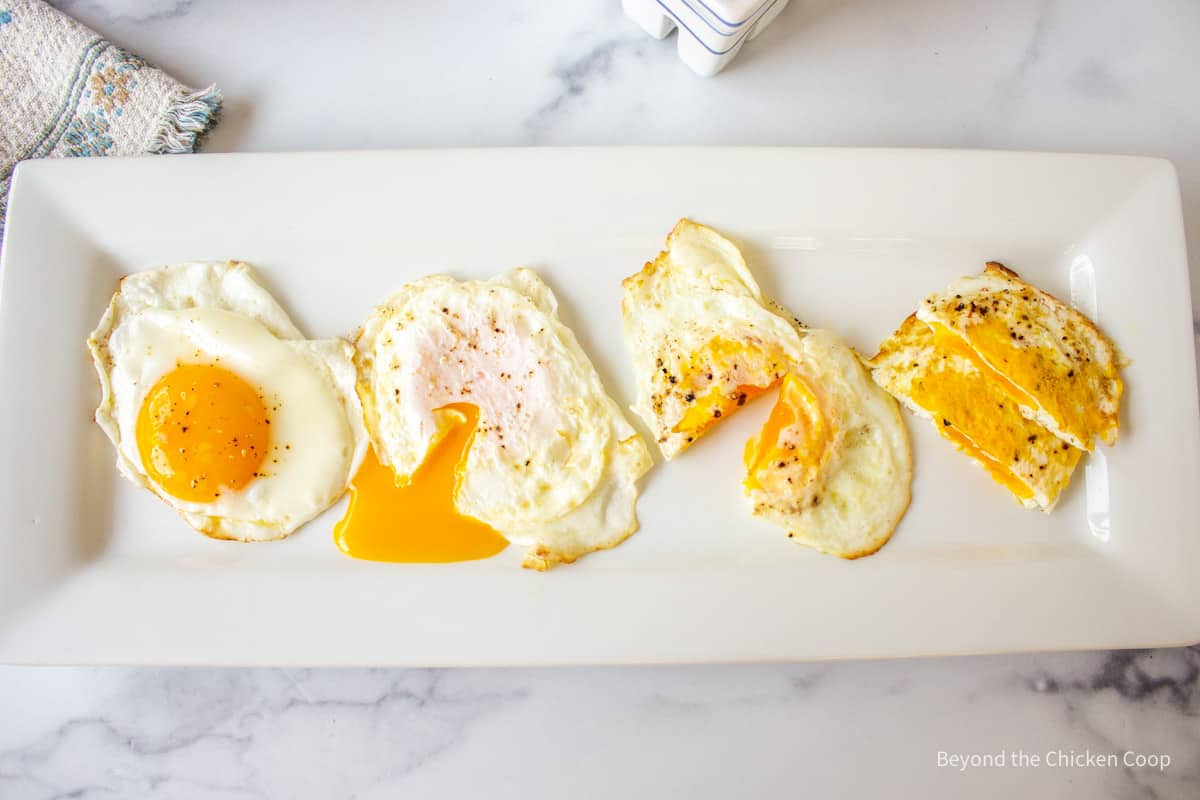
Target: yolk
(415, 520)
(796, 409)
(1066, 402)
(711, 407)
(202, 429)
(722, 355)
(976, 412)
(945, 339)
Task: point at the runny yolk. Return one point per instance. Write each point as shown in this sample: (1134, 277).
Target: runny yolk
(796, 409)
(415, 520)
(711, 407)
(723, 356)
(202, 429)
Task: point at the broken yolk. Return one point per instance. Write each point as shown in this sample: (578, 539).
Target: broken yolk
(716, 404)
(414, 519)
(797, 410)
(723, 356)
(202, 429)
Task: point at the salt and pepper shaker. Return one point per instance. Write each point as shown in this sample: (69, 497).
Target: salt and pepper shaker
(711, 32)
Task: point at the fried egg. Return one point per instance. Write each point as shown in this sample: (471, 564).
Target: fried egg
(974, 412)
(217, 404)
(832, 465)
(1050, 359)
(702, 340)
(549, 460)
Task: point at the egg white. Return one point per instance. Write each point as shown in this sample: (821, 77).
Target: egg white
(216, 313)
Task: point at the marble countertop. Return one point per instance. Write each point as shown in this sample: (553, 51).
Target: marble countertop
(1027, 74)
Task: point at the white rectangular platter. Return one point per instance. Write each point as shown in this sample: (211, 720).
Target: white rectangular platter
(93, 570)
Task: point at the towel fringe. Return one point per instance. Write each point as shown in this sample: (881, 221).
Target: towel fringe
(188, 119)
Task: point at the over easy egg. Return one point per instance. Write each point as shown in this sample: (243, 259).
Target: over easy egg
(552, 463)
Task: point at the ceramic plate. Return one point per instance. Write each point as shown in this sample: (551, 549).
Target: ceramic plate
(94, 570)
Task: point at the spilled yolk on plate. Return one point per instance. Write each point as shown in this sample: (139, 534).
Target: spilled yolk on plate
(796, 431)
(415, 519)
(202, 429)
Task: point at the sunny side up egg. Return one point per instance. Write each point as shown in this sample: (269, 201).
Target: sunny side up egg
(476, 392)
(832, 465)
(216, 403)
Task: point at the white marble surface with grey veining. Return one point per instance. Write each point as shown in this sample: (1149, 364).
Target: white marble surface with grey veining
(1056, 74)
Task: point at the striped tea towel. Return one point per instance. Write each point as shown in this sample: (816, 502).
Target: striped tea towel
(64, 91)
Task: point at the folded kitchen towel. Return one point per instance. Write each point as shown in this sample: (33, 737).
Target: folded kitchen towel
(64, 91)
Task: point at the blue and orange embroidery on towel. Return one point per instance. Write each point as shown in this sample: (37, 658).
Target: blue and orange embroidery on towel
(109, 86)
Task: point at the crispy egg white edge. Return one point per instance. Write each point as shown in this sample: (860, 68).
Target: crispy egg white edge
(233, 280)
(627, 458)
